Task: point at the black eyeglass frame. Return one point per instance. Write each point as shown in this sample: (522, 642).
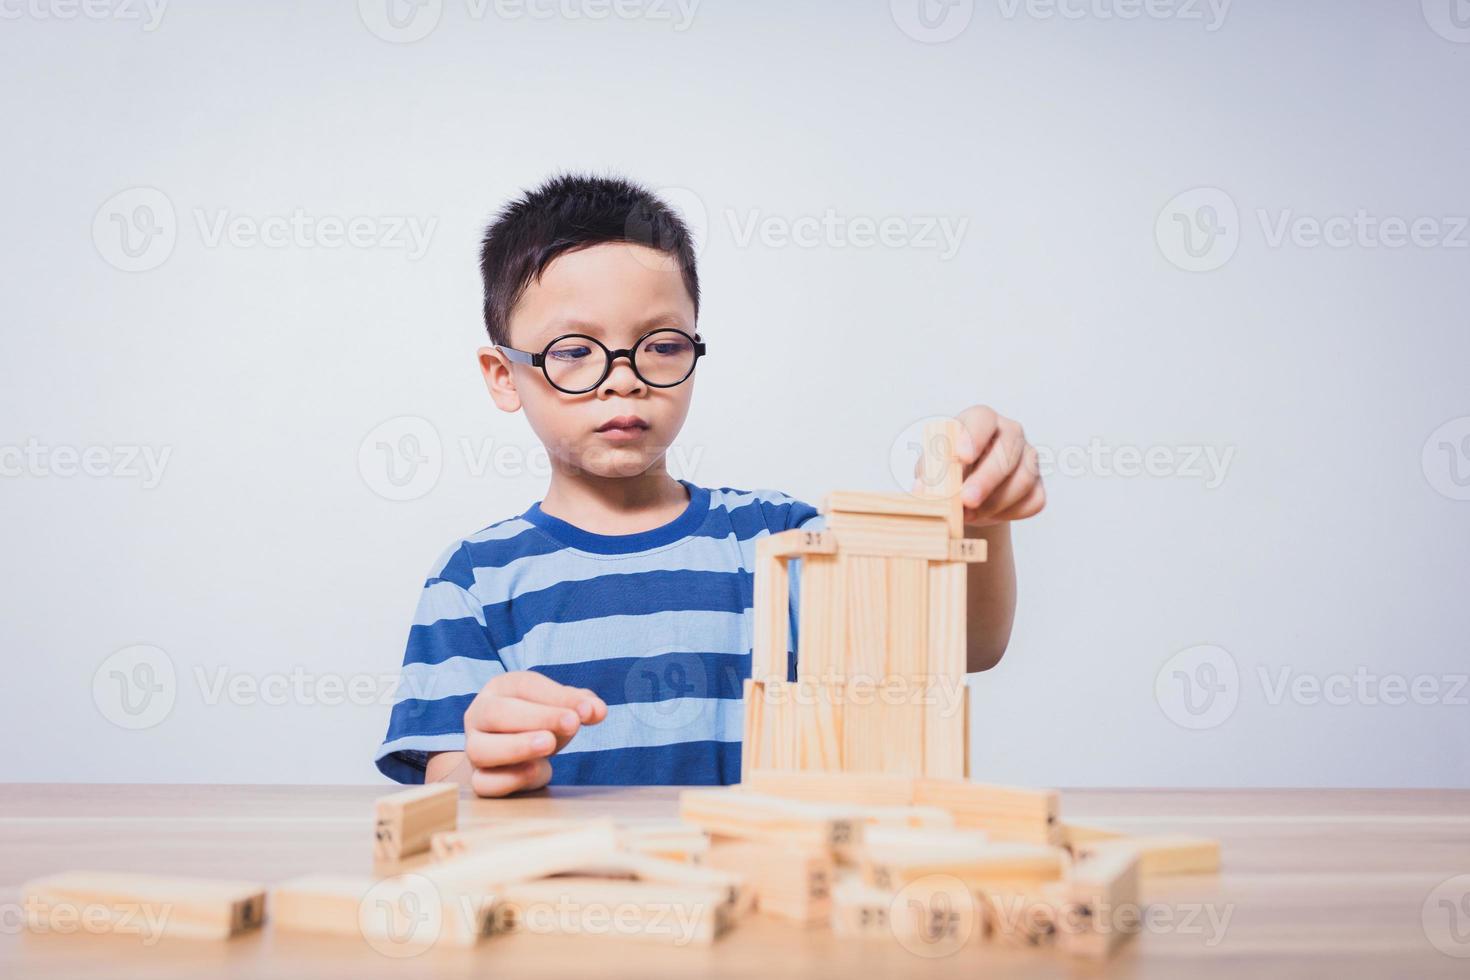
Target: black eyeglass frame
(539, 360)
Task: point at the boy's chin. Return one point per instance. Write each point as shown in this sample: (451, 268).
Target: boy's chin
(614, 461)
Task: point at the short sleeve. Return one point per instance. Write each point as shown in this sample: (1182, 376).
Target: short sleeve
(447, 659)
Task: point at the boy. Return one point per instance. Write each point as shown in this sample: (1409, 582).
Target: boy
(601, 637)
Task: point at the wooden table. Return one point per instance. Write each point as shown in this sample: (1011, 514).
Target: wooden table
(1329, 883)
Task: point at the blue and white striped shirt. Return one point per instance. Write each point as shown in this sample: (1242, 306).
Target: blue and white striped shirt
(658, 623)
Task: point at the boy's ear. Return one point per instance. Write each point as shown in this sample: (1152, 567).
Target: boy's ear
(498, 379)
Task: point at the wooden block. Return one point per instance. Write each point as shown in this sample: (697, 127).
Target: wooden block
(899, 504)
(834, 787)
(751, 731)
(771, 630)
(936, 917)
(890, 536)
(821, 644)
(149, 907)
(863, 721)
(901, 739)
(406, 913)
(968, 550)
(731, 883)
(1005, 812)
(1097, 906)
(769, 819)
(672, 840)
(796, 542)
(791, 882)
(637, 910)
(865, 581)
(978, 865)
(404, 822)
(946, 633)
(448, 844)
(1018, 916)
(941, 473)
(908, 620)
(1159, 855)
(483, 871)
(945, 736)
(818, 714)
(1074, 834)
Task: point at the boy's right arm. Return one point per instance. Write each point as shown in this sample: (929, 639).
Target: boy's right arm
(513, 725)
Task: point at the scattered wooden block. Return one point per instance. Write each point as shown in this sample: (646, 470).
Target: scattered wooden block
(1170, 854)
(879, 789)
(482, 871)
(448, 844)
(790, 882)
(147, 906)
(406, 821)
(1097, 906)
(769, 819)
(935, 917)
(1005, 812)
(637, 910)
(1020, 917)
(732, 883)
(1074, 834)
(976, 864)
(407, 913)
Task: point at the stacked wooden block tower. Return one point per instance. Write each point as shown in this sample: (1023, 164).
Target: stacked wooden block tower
(880, 674)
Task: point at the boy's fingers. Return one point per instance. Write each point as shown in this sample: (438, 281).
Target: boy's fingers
(979, 422)
(533, 686)
(1016, 487)
(487, 750)
(532, 774)
(996, 463)
(1029, 507)
(496, 713)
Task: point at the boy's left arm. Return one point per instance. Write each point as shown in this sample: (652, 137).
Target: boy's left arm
(1002, 483)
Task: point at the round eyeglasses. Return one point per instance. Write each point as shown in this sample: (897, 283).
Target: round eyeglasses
(576, 363)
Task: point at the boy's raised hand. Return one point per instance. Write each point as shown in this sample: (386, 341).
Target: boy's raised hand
(516, 721)
(1002, 479)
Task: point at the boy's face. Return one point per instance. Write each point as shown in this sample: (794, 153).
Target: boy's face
(615, 292)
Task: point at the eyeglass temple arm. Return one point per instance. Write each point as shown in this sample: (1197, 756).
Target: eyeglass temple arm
(519, 356)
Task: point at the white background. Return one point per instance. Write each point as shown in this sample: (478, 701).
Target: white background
(1334, 544)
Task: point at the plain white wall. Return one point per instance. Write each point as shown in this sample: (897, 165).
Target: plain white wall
(1160, 613)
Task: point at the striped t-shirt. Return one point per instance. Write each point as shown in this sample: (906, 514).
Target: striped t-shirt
(658, 623)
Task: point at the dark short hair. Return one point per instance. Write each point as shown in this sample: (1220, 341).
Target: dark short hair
(566, 213)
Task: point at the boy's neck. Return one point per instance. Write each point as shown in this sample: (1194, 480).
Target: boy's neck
(615, 505)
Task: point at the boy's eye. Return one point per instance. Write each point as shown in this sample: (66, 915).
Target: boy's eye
(570, 353)
(667, 347)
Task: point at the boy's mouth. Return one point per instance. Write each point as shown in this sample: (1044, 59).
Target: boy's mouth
(623, 427)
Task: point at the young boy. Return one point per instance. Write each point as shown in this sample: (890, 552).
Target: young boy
(602, 636)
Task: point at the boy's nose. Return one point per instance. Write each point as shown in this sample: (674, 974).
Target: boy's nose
(621, 379)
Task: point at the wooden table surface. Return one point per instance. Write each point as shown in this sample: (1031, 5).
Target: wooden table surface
(1331, 883)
